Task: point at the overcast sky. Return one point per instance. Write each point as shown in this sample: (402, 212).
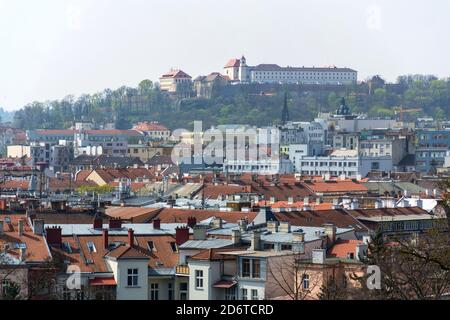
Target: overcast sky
(51, 48)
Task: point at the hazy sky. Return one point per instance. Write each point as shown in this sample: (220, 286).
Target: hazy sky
(51, 48)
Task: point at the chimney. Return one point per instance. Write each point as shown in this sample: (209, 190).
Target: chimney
(192, 221)
(290, 200)
(217, 223)
(330, 231)
(115, 223)
(131, 237)
(272, 200)
(157, 224)
(361, 251)
(200, 232)
(306, 200)
(23, 253)
(1, 227)
(255, 241)
(285, 227)
(272, 226)
(355, 204)
(318, 256)
(38, 227)
(236, 236)
(318, 201)
(181, 235)
(243, 224)
(298, 236)
(98, 223)
(54, 236)
(427, 192)
(435, 193)
(105, 238)
(20, 227)
(378, 204)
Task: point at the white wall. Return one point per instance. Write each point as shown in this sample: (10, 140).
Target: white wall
(120, 271)
(211, 274)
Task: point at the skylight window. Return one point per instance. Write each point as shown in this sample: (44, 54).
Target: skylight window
(67, 247)
(91, 246)
(174, 247)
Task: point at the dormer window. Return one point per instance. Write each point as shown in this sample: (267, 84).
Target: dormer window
(91, 246)
(174, 247)
(151, 246)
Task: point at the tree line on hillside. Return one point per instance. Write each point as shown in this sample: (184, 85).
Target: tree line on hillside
(128, 105)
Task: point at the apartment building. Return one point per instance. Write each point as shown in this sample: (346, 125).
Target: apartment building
(431, 148)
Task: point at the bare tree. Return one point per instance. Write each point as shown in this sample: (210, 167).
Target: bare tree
(288, 277)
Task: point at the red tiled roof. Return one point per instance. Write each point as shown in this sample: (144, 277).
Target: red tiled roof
(136, 215)
(176, 74)
(296, 205)
(162, 257)
(342, 248)
(127, 252)
(36, 248)
(233, 63)
(14, 184)
(386, 212)
(335, 186)
(214, 191)
(318, 218)
(150, 126)
(172, 215)
(109, 281)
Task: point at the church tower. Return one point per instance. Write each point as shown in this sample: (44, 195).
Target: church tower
(285, 113)
(243, 71)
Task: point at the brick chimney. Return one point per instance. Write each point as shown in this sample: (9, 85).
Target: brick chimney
(98, 223)
(54, 236)
(192, 221)
(157, 224)
(181, 235)
(20, 227)
(131, 237)
(105, 238)
(115, 223)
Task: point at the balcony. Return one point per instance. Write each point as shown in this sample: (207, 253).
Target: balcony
(182, 269)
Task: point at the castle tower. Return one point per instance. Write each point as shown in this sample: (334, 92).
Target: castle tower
(243, 71)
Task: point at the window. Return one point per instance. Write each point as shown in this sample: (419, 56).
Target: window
(132, 277)
(255, 294)
(244, 294)
(230, 293)
(150, 246)
(255, 268)
(199, 279)
(169, 291)
(183, 291)
(91, 246)
(154, 291)
(246, 267)
(173, 245)
(305, 281)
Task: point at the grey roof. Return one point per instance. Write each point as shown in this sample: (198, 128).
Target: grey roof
(275, 67)
(206, 244)
(161, 271)
(311, 234)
